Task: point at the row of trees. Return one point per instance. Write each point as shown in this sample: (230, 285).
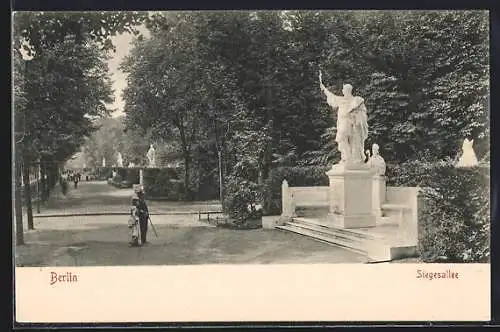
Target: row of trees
(228, 86)
(61, 84)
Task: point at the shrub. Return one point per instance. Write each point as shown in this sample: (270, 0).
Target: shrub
(242, 199)
(454, 221)
(163, 183)
(296, 177)
(243, 196)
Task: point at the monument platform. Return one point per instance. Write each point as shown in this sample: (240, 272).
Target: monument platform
(350, 196)
(380, 243)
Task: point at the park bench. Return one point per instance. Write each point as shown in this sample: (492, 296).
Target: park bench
(207, 214)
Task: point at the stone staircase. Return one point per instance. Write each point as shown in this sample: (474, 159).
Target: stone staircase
(379, 244)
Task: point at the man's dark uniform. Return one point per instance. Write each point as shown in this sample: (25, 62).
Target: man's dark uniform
(143, 216)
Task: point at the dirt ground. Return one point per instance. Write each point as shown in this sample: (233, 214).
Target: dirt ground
(106, 245)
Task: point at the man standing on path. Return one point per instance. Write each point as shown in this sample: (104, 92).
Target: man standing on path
(143, 214)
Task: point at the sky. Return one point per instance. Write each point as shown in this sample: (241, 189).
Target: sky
(123, 44)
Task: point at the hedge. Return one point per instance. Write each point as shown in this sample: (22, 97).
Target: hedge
(454, 221)
(129, 174)
(163, 183)
(104, 173)
(296, 177)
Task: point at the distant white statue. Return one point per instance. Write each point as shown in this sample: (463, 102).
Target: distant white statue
(468, 158)
(352, 123)
(376, 162)
(151, 156)
(119, 160)
(103, 162)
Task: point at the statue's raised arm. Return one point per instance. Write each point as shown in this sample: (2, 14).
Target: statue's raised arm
(332, 99)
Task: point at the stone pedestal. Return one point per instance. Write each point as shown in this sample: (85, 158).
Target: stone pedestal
(379, 194)
(287, 201)
(141, 177)
(351, 196)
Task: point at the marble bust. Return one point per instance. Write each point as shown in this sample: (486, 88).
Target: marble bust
(376, 162)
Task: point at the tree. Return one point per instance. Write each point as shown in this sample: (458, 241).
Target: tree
(162, 96)
(19, 133)
(67, 83)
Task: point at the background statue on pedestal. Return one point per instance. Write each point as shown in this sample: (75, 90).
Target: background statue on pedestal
(103, 162)
(151, 156)
(468, 157)
(119, 160)
(352, 123)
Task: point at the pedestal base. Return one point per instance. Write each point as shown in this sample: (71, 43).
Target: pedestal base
(352, 221)
(350, 196)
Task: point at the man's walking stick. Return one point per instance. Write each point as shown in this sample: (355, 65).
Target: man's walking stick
(153, 226)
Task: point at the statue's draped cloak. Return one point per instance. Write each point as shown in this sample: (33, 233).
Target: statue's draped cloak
(352, 123)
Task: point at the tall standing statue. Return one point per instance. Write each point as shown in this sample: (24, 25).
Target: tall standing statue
(352, 123)
(103, 162)
(151, 156)
(119, 160)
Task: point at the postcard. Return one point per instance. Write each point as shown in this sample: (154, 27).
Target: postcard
(251, 166)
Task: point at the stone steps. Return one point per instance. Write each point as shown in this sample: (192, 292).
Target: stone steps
(385, 231)
(356, 241)
(379, 244)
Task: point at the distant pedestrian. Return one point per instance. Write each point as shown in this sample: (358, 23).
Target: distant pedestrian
(75, 181)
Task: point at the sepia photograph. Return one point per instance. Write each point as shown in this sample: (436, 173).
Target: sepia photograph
(191, 138)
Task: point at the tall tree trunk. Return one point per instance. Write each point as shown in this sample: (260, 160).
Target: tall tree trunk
(187, 160)
(37, 187)
(219, 155)
(18, 200)
(187, 165)
(43, 182)
(27, 191)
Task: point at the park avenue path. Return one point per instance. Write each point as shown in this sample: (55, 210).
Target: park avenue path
(88, 227)
(97, 197)
(96, 202)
